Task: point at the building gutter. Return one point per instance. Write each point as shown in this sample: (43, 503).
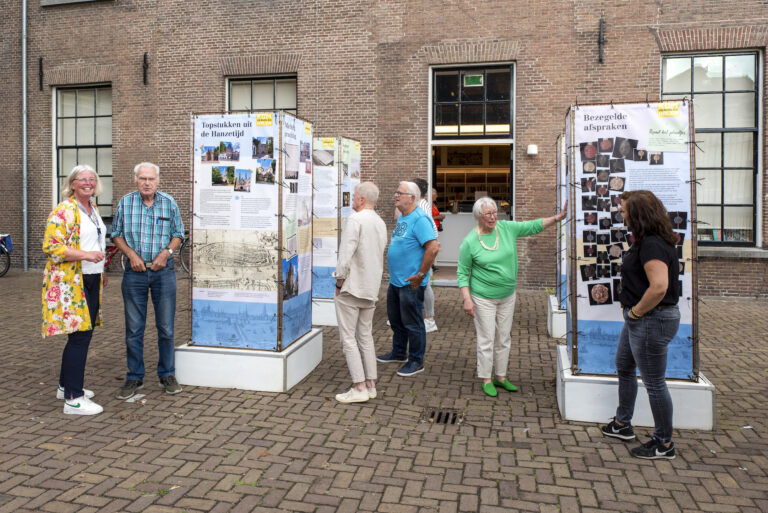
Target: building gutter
(24, 166)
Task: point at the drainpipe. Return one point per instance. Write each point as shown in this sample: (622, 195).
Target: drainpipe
(24, 184)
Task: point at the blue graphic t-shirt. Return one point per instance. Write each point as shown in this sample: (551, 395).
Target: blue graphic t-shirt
(406, 248)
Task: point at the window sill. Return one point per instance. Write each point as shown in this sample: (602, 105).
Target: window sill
(733, 252)
(50, 3)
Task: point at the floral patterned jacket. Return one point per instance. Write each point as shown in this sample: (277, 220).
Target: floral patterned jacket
(64, 306)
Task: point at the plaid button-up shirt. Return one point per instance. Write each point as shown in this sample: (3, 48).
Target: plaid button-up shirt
(147, 230)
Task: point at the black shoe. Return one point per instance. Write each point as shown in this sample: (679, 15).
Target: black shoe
(170, 385)
(654, 450)
(614, 430)
(130, 387)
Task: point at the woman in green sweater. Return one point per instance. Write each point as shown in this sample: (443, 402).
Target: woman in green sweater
(487, 275)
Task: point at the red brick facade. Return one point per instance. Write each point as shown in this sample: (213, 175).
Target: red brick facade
(363, 71)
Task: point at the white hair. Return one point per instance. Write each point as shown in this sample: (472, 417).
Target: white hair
(146, 164)
(68, 191)
(412, 189)
(485, 201)
(368, 191)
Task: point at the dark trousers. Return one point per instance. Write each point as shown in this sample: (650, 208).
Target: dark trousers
(76, 351)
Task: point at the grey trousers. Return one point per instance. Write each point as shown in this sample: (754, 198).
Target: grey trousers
(355, 317)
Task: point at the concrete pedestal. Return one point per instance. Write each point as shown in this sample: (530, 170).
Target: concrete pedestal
(555, 318)
(324, 312)
(263, 371)
(595, 398)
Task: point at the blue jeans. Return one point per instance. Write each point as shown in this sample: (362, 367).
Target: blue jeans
(643, 346)
(76, 351)
(404, 307)
(136, 288)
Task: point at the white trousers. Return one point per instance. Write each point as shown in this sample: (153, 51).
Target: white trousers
(355, 317)
(493, 323)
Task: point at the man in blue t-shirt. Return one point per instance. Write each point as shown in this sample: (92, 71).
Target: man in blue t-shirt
(412, 250)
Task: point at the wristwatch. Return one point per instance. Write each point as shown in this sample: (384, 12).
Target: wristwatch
(170, 251)
(421, 274)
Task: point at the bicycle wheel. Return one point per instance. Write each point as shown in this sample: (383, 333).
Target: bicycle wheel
(184, 256)
(5, 261)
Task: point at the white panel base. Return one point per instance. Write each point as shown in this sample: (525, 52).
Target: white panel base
(324, 312)
(246, 369)
(595, 398)
(555, 318)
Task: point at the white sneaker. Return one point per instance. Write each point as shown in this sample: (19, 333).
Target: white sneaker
(353, 396)
(60, 393)
(81, 406)
(371, 393)
(430, 326)
(388, 324)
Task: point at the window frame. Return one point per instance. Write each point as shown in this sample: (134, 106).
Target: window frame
(722, 131)
(266, 78)
(473, 68)
(62, 174)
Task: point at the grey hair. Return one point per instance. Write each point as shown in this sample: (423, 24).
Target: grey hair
(146, 164)
(412, 189)
(68, 191)
(368, 191)
(485, 201)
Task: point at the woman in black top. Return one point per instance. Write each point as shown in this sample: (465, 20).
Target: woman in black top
(649, 295)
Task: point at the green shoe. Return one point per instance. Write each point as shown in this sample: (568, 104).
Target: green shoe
(489, 389)
(506, 385)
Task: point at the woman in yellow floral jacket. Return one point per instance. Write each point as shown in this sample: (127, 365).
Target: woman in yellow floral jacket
(74, 242)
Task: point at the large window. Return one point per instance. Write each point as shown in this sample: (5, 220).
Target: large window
(472, 102)
(263, 93)
(84, 136)
(725, 99)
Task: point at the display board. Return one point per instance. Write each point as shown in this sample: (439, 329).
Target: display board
(251, 229)
(561, 290)
(337, 171)
(616, 148)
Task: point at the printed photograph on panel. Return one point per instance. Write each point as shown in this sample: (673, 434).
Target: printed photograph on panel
(235, 260)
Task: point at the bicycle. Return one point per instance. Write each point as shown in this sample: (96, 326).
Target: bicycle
(6, 246)
(183, 253)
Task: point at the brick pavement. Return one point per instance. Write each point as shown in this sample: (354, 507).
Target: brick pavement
(213, 450)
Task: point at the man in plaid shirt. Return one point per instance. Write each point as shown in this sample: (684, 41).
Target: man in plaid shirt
(147, 228)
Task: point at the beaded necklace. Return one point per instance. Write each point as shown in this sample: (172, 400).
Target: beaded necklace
(495, 245)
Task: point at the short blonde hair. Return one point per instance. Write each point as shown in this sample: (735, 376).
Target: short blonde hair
(68, 191)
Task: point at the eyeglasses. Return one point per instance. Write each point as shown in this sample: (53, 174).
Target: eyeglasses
(490, 214)
(85, 180)
(398, 193)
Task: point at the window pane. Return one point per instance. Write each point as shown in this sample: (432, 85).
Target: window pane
(105, 211)
(740, 72)
(708, 150)
(85, 131)
(708, 111)
(498, 86)
(66, 132)
(67, 103)
(87, 156)
(262, 95)
(446, 86)
(472, 92)
(709, 222)
(739, 150)
(104, 130)
(465, 156)
(738, 224)
(239, 96)
(104, 101)
(499, 156)
(472, 119)
(740, 110)
(286, 93)
(62, 184)
(707, 73)
(85, 102)
(708, 186)
(67, 160)
(738, 186)
(447, 119)
(497, 118)
(104, 161)
(106, 190)
(676, 74)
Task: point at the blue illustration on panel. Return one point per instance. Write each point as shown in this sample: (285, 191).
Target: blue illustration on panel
(597, 341)
(323, 284)
(297, 317)
(234, 324)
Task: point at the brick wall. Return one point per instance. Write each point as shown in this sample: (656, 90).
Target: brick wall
(363, 72)
(726, 277)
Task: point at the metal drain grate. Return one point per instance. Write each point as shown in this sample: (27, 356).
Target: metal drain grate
(446, 416)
